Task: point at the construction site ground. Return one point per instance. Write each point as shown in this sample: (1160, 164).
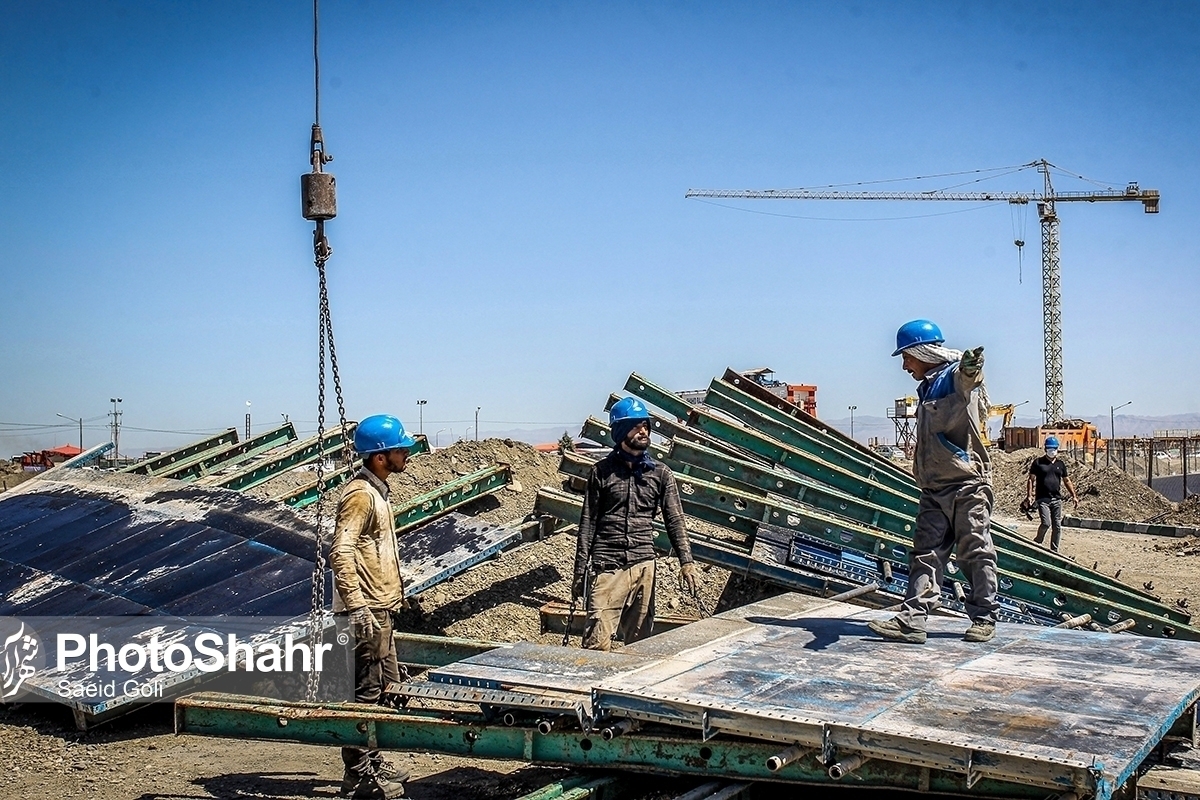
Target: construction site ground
(139, 758)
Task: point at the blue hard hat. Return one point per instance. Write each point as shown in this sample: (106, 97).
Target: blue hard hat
(919, 331)
(625, 415)
(1051, 442)
(380, 433)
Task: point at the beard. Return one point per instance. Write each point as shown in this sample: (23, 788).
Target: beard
(636, 445)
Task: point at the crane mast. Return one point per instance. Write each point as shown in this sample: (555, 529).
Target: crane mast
(1047, 215)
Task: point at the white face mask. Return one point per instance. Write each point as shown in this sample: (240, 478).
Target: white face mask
(1052, 452)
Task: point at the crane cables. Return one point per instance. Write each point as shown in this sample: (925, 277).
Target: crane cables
(319, 203)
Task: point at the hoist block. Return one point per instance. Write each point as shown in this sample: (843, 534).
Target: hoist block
(318, 196)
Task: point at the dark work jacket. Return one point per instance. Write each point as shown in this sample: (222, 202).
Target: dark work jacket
(615, 529)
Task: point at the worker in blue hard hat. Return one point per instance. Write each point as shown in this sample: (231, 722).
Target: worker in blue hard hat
(366, 574)
(614, 555)
(953, 471)
(1047, 475)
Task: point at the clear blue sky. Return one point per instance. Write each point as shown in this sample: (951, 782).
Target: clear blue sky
(513, 232)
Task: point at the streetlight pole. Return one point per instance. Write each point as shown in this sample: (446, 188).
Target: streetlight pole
(80, 421)
(116, 428)
(1112, 419)
(852, 408)
(247, 419)
(436, 437)
(1112, 434)
(477, 422)
(421, 415)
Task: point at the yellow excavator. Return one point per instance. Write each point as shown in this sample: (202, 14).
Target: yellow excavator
(1005, 411)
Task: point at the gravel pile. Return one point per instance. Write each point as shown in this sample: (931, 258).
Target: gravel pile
(1104, 492)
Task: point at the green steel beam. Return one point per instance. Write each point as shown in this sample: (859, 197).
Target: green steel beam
(468, 735)
(741, 406)
(332, 444)
(158, 464)
(581, 788)
(687, 458)
(438, 651)
(307, 494)
(207, 463)
(656, 395)
(450, 496)
(760, 398)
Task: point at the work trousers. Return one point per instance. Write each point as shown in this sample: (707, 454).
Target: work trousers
(374, 668)
(620, 599)
(953, 520)
(1050, 512)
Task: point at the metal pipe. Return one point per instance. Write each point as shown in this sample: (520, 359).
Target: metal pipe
(616, 729)
(847, 765)
(1122, 626)
(1075, 622)
(509, 718)
(545, 726)
(959, 593)
(857, 591)
(781, 760)
(887, 571)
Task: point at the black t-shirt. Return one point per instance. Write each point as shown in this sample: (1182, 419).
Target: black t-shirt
(1048, 476)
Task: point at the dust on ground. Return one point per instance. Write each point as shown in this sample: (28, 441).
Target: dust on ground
(12, 474)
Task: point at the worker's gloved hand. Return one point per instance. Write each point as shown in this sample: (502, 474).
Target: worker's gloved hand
(577, 588)
(972, 362)
(688, 578)
(366, 627)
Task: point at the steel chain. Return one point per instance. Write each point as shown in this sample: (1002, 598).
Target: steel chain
(316, 619)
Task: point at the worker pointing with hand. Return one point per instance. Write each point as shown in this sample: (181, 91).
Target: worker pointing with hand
(953, 471)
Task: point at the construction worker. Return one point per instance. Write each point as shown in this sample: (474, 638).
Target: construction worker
(366, 574)
(1047, 474)
(614, 557)
(953, 472)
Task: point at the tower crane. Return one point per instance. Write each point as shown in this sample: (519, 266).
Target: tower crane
(1051, 277)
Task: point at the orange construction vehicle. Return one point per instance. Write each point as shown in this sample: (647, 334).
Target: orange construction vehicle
(1072, 435)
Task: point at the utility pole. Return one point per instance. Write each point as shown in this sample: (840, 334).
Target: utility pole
(852, 408)
(247, 419)
(477, 422)
(80, 421)
(421, 415)
(116, 427)
(1051, 273)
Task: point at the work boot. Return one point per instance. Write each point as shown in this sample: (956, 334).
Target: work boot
(366, 783)
(897, 631)
(980, 632)
(389, 770)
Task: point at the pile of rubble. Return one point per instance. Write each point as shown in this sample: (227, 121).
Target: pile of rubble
(1104, 492)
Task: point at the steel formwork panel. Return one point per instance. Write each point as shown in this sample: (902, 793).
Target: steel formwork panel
(1061, 709)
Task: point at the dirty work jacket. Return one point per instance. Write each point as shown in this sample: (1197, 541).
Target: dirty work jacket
(615, 528)
(950, 451)
(363, 556)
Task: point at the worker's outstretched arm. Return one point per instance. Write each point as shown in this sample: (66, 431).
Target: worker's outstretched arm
(969, 374)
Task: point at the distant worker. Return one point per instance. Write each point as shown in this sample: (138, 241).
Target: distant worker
(366, 574)
(1047, 474)
(953, 472)
(614, 556)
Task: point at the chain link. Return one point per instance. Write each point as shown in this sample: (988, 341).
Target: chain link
(316, 620)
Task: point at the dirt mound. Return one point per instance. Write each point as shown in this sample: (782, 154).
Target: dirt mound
(1104, 492)
(1186, 514)
(11, 474)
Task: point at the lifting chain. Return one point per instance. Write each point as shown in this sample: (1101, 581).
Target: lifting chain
(319, 203)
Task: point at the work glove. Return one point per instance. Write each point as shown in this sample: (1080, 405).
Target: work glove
(972, 362)
(577, 588)
(366, 627)
(688, 578)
